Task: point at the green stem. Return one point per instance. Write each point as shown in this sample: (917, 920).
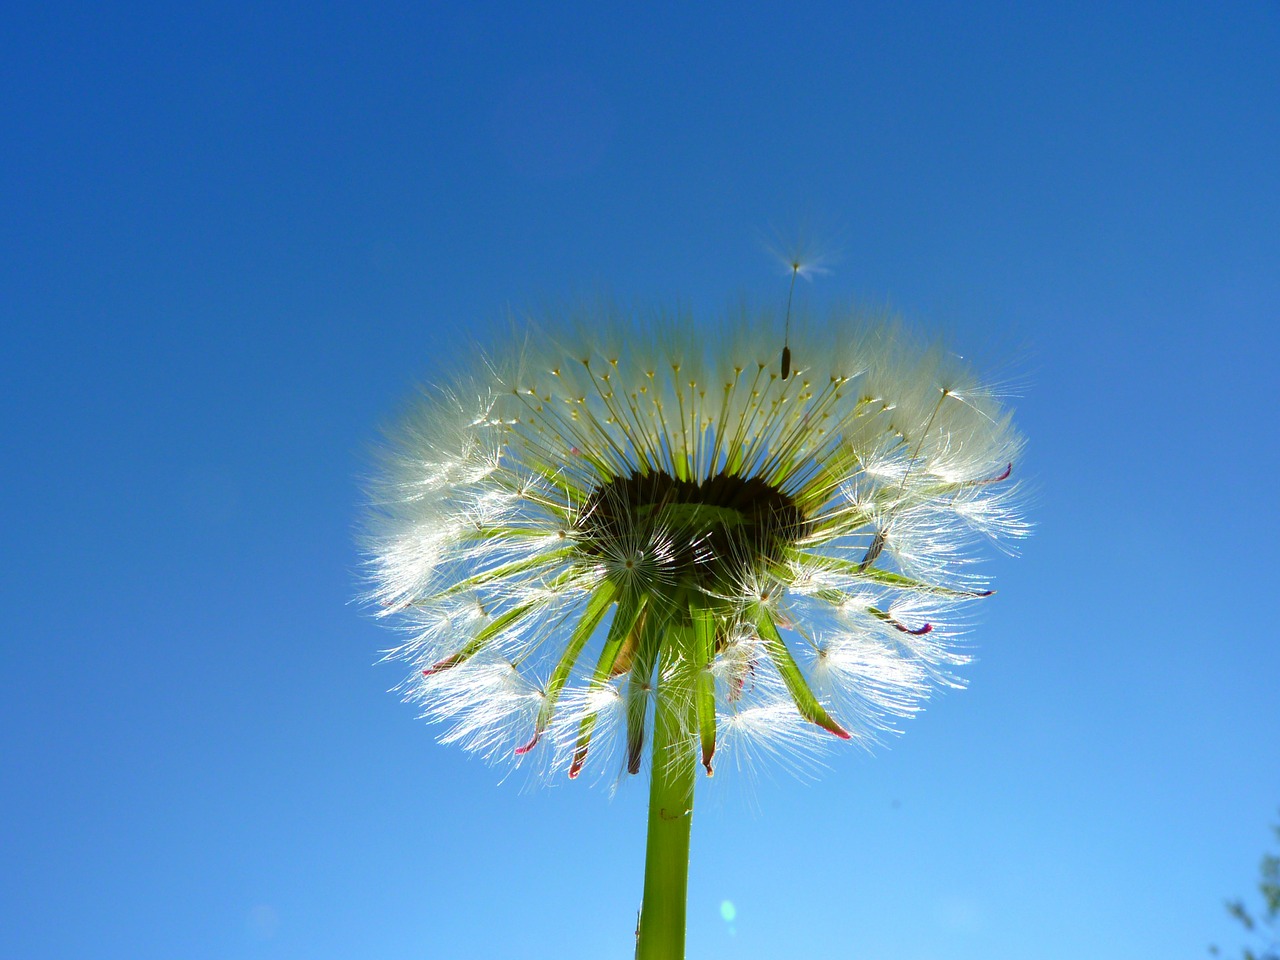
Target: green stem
(666, 864)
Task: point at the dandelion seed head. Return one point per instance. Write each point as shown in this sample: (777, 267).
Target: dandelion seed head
(626, 515)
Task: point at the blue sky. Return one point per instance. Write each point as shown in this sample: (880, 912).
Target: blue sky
(237, 236)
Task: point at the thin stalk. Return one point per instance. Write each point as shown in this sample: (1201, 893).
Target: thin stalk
(666, 863)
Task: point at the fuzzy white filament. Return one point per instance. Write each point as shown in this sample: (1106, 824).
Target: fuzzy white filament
(544, 526)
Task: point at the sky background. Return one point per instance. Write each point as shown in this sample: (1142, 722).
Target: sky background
(235, 237)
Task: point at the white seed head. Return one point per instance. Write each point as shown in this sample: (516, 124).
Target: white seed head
(576, 533)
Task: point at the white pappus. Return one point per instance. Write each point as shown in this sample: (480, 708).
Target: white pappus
(637, 514)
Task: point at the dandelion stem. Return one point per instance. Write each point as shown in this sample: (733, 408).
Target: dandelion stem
(666, 863)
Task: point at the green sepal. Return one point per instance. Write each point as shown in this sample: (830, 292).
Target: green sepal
(639, 680)
(797, 686)
(597, 605)
(885, 617)
(505, 570)
(476, 643)
(887, 577)
(630, 609)
(704, 688)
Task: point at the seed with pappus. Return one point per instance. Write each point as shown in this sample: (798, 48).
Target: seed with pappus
(645, 540)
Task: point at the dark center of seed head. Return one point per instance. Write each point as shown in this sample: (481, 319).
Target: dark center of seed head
(713, 529)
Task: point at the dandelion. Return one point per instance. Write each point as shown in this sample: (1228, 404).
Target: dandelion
(633, 544)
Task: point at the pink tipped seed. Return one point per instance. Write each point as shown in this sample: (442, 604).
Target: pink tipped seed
(1004, 476)
(899, 625)
(832, 727)
(982, 483)
(838, 731)
(444, 664)
(521, 751)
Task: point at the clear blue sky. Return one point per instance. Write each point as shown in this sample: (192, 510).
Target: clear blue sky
(235, 236)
